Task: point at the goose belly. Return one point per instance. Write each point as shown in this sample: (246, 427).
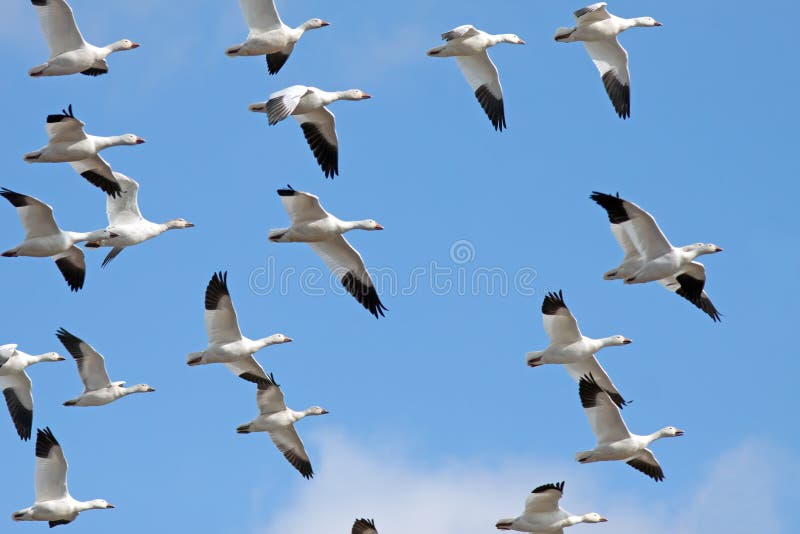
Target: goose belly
(227, 352)
(572, 353)
(661, 267)
(66, 152)
(259, 44)
(53, 511)
(43, 247)
(619, 450)
(71, 62)
(313, 232)
(596, 31)
(272, 422)
(99, 397)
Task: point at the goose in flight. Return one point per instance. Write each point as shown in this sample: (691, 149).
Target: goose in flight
(226, 344)
(53, 503)
(44, 238)
(307, 106)
(543, 514)
(269, 35)
(649, 255)
(323, 232)
(364, 526)
(97, 387)
(69, 53)
(16, 385)
(469, 46)
(125, 219)
(69, 143)
(572, 349)
(598, 29)
(614, 440)
(278, 420)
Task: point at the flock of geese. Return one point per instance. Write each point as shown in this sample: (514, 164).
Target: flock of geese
(648, 254)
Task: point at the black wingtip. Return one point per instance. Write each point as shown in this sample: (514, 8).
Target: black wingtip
(367, 295)
(558, 486)
(326, 154)
(45, 440)
(588, 389)
(21, 416)
(553, 302)
(288, 192)
(362, 525)
(493, 107)
(614, 206)
(216, 289)
(619, 94)
(17, 200)
(109, 187)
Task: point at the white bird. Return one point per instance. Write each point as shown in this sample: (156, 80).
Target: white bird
(307, 106)
(127, 222)
(97, 387)
(598, 30)
(278, 420)
(53, 502)
(44, 238)
(614, 440)
(269, 35)
(69, 53)
(572, 349)
(69, 143)
(16, 385)
(226, 344)
(650, 256)
(543, 514)
(364, 526)
(323, 232)
(469, 46)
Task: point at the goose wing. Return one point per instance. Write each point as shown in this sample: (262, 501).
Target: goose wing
(64, 127)
(612, 61)
(72, 265)
(222, 325)
(646, 462)
(640, 227)
(301, 206)
(544, 498)
(282, 103)
(123, 208)
(19, 399)
(50, 479)
(319, 129)
(91, 364)
(247, 368)
(58, 26)
(98, 172)
(276, 60)
(260, 15)
(689, 284)
(593, 13)
(467, 30)
(36, 216)
(559, 323)
(592, 367)
(482, 76)
(602, 413)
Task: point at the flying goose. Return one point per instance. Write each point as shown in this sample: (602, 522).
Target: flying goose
(69, 143)
(307, 106)
(278, 420)
(53, 502)
(598, 29)
(44, 238)
(543, 514)
(571, 348)
(323, 232)
(69, 53)
(470, 46)
(364, 526)
(614, 440)
(226, 344)
(125, 219)
(269, 35)
(16, 385)
(97, 387)
(650, 256)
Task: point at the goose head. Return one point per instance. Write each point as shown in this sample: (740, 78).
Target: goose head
(179, 223)
(646, 22)
(593, 518)
(52, 357)
(313, 24)
(354, 94)
(277, 339)
(143, 388)
(368, 224)
(698, 249)
(99, 504)
(619, 340)
(131, 139)
(670, 432)
(512, 38)
(124, 44)
(317, 410)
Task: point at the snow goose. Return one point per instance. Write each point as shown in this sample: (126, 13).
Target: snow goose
(44, 238)
(307, 106)
(571, 348)
(53, 503)
(650, 256)
(226, 344)
(69, 143)
(323, 232)
(278, 420)
(614, 440)
(364, 526)
(469, 46)
(125, 219)
(97, 387)
(598, 29)
(543, 514)
(16, 385)
(69, 53)
(269, 35)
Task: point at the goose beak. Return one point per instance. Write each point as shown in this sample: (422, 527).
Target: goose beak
(521, 42)
(718, 249)
(288, 340)
(658, 24)
(324, 23)
(60, 359)
(139, 141)
(112, 235)
(679, 432)
(603, 520)
(325, 412)
(189, 225)
(378, 227)
(109, 505)
(365, 96)
(135, 45)
(627, 341)
(150, 389)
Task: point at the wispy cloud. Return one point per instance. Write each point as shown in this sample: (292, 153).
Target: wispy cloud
(739, 493)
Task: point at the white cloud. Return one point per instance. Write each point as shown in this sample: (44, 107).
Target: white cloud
(738, 494)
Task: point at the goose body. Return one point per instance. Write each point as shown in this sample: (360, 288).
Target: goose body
(598, 30)
(307, 106)
(614, 440)
(53, 501)
(268, 34)
(225, 341)
(469, 46)
(649, 256)
(127, 222)
(16, 385)
(543, 515)
(323, 232)
(278, 420)
(572, 349)
(97, 387)
(69, 52)
(69, 143)
(43, 238)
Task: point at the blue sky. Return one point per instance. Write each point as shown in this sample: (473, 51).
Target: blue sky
(436, 425)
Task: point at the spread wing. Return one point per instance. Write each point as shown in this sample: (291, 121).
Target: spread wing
(482, 76)
(72, 265)
(640, 226)
(301, 206)
(276, 60)
(123, 208)
(592, 13)
(602, 413)
(559, 323)
(689, 285)
(319, 129)
(592, 367)
(646, 462)
(91, 364)
(36, 216)
(50, 479)
(282, 103)
(467, 30)
(98, 172)
(260, 15)
(16, 389)
(58, 26)
(612, 61)
(64, 127)
(544, 498)
(221, 323)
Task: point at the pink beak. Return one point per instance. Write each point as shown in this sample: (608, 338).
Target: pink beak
(378, 227)
(135, 45)
(139, 140)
